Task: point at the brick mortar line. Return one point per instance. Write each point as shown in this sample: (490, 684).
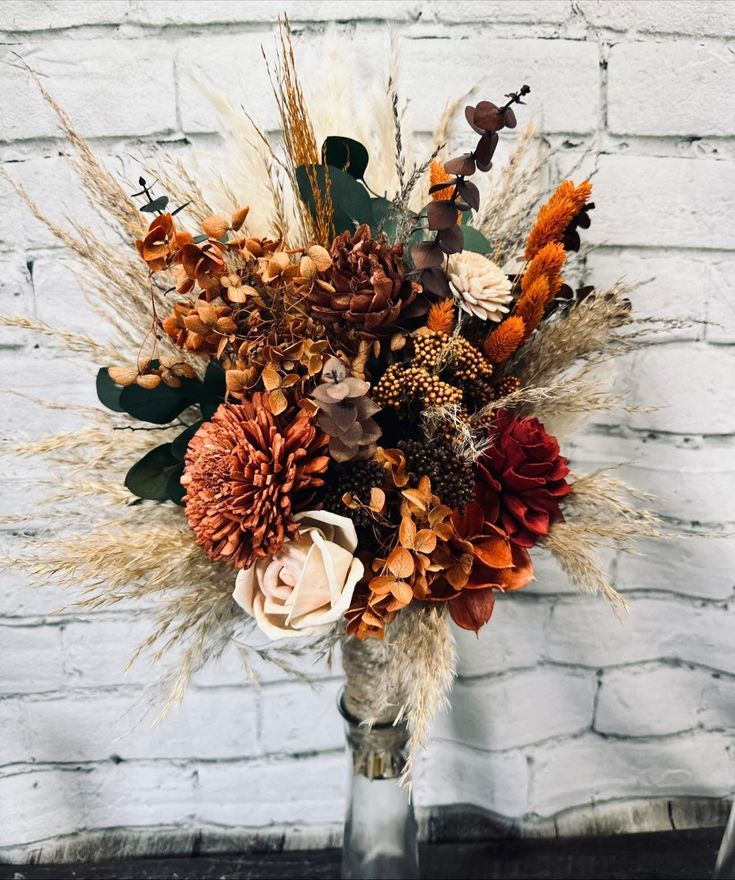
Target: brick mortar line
(123, 690)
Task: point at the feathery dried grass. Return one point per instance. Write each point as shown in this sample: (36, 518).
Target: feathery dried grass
(73, 343)
(506, 210)
(563, 405)
(299, 139)
(603, 511)
(590, 327)
(102, 186)
(575, 548)
(407, 677)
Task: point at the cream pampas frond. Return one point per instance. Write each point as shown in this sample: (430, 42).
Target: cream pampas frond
(407, 677)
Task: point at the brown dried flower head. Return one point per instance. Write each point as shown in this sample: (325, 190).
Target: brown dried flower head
(365, 288)
(246, 472)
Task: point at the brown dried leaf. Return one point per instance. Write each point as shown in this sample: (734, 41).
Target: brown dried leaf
(400, 563)
(149, 381)
(271, 378)
(415, 499)
(407, 532)
(215, 226)
(377, 500)
(239, 217)
(425, 541)
(123, 375)
(402, 592)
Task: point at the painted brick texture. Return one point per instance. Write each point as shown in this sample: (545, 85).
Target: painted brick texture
(557, 705)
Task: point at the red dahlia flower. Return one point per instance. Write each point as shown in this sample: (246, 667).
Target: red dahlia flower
(521, 478)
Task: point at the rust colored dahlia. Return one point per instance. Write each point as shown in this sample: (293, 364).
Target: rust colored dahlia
(246, 472)
(366, 286)
(521, 478)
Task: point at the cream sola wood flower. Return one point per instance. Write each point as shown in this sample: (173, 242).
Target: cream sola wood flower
(479, 286)
(308, 584)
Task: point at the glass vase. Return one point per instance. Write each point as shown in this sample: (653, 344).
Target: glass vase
(725, 867)
(380, 827)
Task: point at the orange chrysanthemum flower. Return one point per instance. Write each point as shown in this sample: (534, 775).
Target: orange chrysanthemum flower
(556, 215)
(505, 339)
(246, 470)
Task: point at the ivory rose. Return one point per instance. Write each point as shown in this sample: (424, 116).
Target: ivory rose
(308, 584)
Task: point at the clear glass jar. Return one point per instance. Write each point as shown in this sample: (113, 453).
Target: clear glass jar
(380, 827)
(725, 868)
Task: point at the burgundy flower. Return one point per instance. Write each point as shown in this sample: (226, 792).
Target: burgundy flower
(521, 478)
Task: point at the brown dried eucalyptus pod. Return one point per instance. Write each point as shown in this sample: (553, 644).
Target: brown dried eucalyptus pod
(486, 119)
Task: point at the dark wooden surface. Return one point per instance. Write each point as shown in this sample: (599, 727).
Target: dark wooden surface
(671, 855)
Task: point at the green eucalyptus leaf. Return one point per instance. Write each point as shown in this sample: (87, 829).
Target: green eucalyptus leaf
(150, 476)
(475, 241)
(213, 391)
(180, 444)
(174, 489)
(108, 392)
(158, 204)
(346, 154)
(162, 404)
(350, 200)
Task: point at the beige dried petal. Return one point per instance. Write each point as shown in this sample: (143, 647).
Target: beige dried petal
(320, 257)
(149, 381)
(123, 375)
(377, 500)
(239, 217)
(407, 532)
(215, 226)
(271, 378)
(307, 268)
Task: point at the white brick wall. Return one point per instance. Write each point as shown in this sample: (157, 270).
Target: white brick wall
(557, 705)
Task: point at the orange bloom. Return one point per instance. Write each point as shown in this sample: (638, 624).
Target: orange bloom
(204, 265)
(557, 214)
(246, 471)
(532, 304)
(505, 339)
(548, 264)
(479, 560)
(437, 174)
(159, 245)
(441, 316)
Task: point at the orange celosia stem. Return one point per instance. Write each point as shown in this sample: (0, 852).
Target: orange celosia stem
(548, 264)
(505, 339)
(441, 317)
(557, 214)
(532, 304)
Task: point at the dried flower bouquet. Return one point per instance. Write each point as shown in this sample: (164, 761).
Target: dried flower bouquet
(352, 395)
